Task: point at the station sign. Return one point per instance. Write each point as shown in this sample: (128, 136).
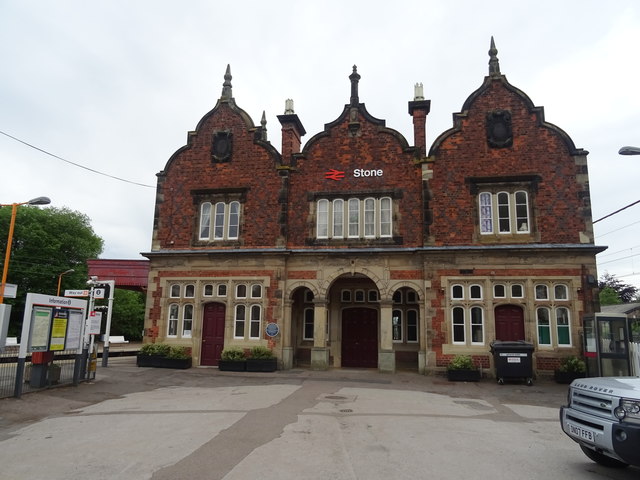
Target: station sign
(76, 293)
(10, 290)
(337, 175)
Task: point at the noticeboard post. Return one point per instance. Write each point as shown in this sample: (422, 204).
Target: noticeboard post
(50, 324)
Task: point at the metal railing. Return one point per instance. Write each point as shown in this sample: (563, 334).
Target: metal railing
(634, 351)
(59, 371)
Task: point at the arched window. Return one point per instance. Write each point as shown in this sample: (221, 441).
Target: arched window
(218, 225)
(172, 324)
(354, 217)
(544, 326)
(187, 320)
(369, 218)
(386, 227)
(205, 221)
(256, 291)
(234, 221)
(563, 326)
(256, 320)
(338, 218)
(322, 219)
(457, 315)
(239, 321)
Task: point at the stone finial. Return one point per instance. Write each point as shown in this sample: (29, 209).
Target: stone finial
(355, 78)
(418, 92)
(263, 126)
(226, 86)
(288, 107)
(494, 65)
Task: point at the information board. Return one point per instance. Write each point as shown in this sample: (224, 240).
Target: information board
(59, 329)
(40, 326)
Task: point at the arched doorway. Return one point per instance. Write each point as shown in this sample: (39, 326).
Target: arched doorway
(302, 326)
(212, 333)
(360, 337)
(509, 323)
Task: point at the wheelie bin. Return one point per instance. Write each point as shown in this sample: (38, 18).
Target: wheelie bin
(513, 361)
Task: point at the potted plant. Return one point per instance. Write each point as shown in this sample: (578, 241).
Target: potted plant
(261, 359)
(178, 357)
(462, 369)
(570, 368)
(161, 355)
(232, 359)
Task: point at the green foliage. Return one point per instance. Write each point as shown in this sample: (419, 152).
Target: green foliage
(161, 349)
(179, 352)
(128, 313)
(461, 362)
(260, 352)
(233, 354)
(625, 292)
(608, 296)
(573, 364)
(46, 242)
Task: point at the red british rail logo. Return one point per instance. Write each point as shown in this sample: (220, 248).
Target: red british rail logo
(334, 174)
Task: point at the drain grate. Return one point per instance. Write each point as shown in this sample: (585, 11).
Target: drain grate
(335, 397)
(346, 410)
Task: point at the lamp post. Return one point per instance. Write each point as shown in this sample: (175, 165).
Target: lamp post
(629, 151)
(14, 210)
(71, 270)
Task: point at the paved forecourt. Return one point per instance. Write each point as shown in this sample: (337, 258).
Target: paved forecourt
(136, 423)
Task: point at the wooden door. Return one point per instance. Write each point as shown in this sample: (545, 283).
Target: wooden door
(360, 337)
(212, 333)
(509, 323)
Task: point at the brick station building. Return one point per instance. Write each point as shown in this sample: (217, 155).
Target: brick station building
(359, 249)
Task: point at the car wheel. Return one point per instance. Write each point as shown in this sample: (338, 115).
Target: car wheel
(602, 459)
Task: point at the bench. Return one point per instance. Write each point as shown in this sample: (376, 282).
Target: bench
(117, 339)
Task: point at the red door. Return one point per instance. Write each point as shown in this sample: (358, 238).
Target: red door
(360, 337)
(509, 323)
(212, 333)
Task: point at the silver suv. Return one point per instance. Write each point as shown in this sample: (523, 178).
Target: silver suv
(603, 417)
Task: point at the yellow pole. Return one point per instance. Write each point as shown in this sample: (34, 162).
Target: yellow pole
(60, 280)
(7, 256)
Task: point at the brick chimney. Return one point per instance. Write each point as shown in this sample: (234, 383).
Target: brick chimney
(419, 109)
(292, 132)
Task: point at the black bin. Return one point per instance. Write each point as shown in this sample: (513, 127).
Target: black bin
(513, 360)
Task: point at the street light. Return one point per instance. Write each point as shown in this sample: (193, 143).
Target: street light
(629, 151)
(14, 210)
(71, 270)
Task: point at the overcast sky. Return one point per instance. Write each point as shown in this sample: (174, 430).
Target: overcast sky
(116, 85)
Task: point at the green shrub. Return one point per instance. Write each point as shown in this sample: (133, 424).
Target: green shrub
(573, 364)
(161, 349)
(234, 354)
(461, 362)
(261, 352)
(164, 350)
(179, 352)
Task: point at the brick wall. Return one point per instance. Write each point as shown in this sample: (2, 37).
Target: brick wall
(539, 149)
(252, 167)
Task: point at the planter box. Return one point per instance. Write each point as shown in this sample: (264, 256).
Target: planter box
(232, 365)
(463, 375)
(567, 377)
(262, 364)
(162, 362)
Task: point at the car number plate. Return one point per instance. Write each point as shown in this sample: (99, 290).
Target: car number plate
(582, 433)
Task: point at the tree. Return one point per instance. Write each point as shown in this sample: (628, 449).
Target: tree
(608, 296)
(46, 242)
(626, 293)
(128, 313)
